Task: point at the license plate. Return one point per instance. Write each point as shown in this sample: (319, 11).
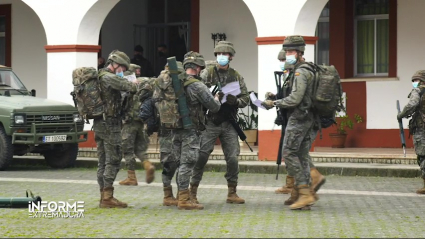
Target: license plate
(54, 138)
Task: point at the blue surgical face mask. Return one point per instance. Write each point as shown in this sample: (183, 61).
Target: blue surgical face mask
(222, 60)
(415, 84)
(120, 74)
(282, 65)
(291, 59)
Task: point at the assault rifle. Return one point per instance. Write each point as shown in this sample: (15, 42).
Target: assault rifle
(281, 117)
(400, 125)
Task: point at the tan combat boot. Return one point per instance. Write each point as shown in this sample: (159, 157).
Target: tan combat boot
(422, 190)
(232, 197)
(293, 197)
(317, 179)
(305, 198)
(193, 191)
(150, 171)
(109, 201)
(131, 179)
(169, 199)
(287, 188)
(185, 203)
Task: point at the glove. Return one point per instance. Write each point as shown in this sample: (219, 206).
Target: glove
(278, 121)
(232, 100)
(268, 104)
(270, 96)
(220, 95)
(399, 117)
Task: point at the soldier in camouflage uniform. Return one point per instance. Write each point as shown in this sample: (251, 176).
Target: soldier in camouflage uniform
(166, 155)
(135, 69)
(107, 129)
(135, 140)
(317, 179)
(186, 142)
(416, 109)
(297, 141)
(218, 125)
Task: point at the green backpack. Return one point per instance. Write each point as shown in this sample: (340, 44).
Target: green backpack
(327, 92)
(86, 94)
(166, 100)
(145, 87)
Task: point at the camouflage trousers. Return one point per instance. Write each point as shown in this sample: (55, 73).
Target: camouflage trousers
(169, 164)
(231, 149)
(186, 150)
(107, 135)
(135, 142)
(313, 136)
(419, 144)
(296, 147)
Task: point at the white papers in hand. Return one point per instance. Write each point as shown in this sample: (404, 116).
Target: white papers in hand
(232, 88)
(256, 101)
(131, 78)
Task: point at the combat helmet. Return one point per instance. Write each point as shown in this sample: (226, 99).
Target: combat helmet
(224, 46)
(420, 75)
(282, 55)
(119, 57)
(194, 58)
(179, 66)
(295, 42)
(133, 68)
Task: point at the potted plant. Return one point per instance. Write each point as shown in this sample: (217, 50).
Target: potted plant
(343, 123)
(249, 122)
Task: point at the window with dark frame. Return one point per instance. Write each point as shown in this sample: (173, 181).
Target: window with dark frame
(322, 32)
(371, 37)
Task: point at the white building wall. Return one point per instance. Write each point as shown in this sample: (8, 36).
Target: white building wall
(117, 29)
(235, 20)
(382, 96)
(29, 58)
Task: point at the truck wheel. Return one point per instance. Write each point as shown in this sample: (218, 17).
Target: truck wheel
(6, 149)
(63, 157)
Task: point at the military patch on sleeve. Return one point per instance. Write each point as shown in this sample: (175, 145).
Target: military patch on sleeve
(297, 73)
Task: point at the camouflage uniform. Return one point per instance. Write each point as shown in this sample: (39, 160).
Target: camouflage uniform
(218, 126)
(416, 108)
(135, 140)
(186, 142)
(300, 121)
(149, 115)
(107, 132)
(317, 179)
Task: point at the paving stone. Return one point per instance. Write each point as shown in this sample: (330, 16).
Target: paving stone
(353, 207)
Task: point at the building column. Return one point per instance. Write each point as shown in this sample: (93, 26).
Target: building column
(72, 31)
(274, 20)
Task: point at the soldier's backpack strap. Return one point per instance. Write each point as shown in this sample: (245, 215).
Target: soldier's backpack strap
(190, 81)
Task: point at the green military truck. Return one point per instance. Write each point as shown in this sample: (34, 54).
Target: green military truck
(30, 124)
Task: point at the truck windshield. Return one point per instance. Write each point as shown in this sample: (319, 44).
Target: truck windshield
(9, 81)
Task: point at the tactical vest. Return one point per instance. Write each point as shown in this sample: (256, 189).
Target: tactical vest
(421, 108)
(111, 97)
(226, 110)
(196, 111)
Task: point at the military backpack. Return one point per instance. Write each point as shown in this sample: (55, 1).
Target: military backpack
(166, 100)
(327, 92)
(86, 94)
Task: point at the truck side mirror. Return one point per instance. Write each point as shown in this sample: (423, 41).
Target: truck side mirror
(33, 92)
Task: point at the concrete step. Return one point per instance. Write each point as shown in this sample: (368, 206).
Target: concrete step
(326, 168)
(320, 155)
